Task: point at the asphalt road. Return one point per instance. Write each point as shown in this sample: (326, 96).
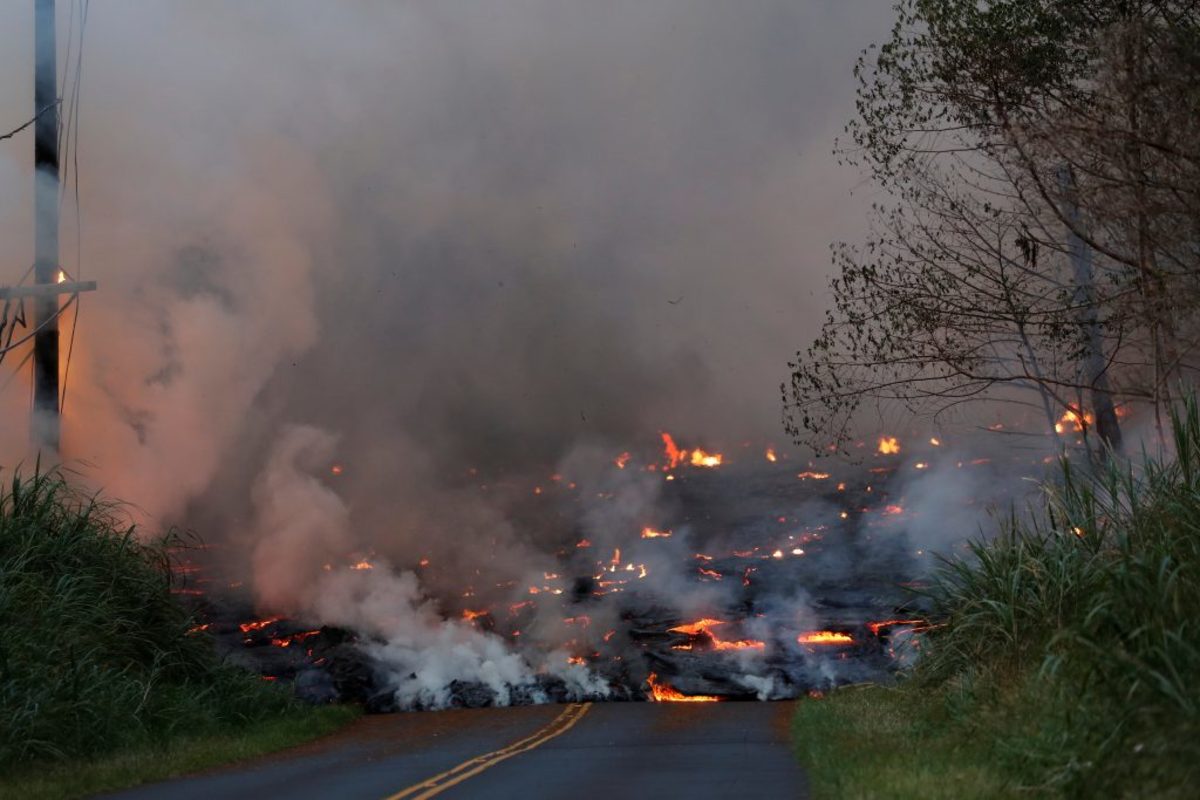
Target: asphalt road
(605, 750)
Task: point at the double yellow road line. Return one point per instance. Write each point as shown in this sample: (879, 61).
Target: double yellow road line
(472, 767)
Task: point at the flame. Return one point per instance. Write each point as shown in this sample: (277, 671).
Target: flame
(936, 442)
(674, 455)
(258, 625)
(650, 533)
(1072, 421)
(892, 510)
(702, 627)
(703, 459)
(662, 693)
(336, 469)
(712, 573)
(887, 623)
(696, 628)
(361, 565)
(288, 641)
(825, 637)
(816, 476)
(61, 277)
(771, 455)
(888, 445)
(469, 614)
(622, 460)
(576, 660)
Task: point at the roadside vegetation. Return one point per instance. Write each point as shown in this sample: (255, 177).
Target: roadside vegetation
(1061, 660)
(103, 681)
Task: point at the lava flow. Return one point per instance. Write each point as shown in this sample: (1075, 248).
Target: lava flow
(662, 693)
(702, 629)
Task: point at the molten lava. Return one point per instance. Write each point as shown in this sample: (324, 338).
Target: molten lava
(825, 637)
(703, 628)
(662, 693)
(650, 533)
(703, 459)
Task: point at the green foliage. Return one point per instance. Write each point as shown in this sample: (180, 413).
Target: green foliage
(1062, 656)
(95, 652)
(1099, 610)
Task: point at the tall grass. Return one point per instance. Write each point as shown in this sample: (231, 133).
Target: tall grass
(95, 652)
(1075, 641)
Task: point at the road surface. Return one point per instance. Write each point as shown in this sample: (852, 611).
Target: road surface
(604, 750)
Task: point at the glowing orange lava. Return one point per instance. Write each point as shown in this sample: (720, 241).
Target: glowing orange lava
(876, 627)
(258, 625)
(662, 693)
(650, 533)
(825, 637)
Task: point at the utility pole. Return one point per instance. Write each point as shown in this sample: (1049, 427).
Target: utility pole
(1095, 366)
(45, 258)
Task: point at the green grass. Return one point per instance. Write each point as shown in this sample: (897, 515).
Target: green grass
(1063, 658)
(878, 742)
(179, 756)
(101, 674)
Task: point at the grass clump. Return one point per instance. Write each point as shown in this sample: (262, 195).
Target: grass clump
(96, 654)
(1064, 653)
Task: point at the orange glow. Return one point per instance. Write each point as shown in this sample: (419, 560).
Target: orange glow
(935, 442)
(1071, 420)
(696, 628)
(583, 543)
(816, 476)
(662, 693)
(258, 625)
(825, 637)
(576, 660)
(876, 627)
(650, 533)
(361, 565)
(336, 469)
(712, 573)
(622, 460)
(468, 614)
(771, 455)
(61, 277)
(888, 445)
(703, 628)
(703, 459)
(674, 455)
(288, 641)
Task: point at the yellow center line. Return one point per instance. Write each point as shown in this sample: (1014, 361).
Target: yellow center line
(472, 767)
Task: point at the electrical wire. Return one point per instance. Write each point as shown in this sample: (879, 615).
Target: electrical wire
(73, 122)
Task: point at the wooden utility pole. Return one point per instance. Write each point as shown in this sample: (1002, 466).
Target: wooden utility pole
(45, 256)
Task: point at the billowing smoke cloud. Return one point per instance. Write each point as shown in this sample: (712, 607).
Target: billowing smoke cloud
(444, 245)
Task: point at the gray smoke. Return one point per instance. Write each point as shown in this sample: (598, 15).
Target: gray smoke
(444, 245)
